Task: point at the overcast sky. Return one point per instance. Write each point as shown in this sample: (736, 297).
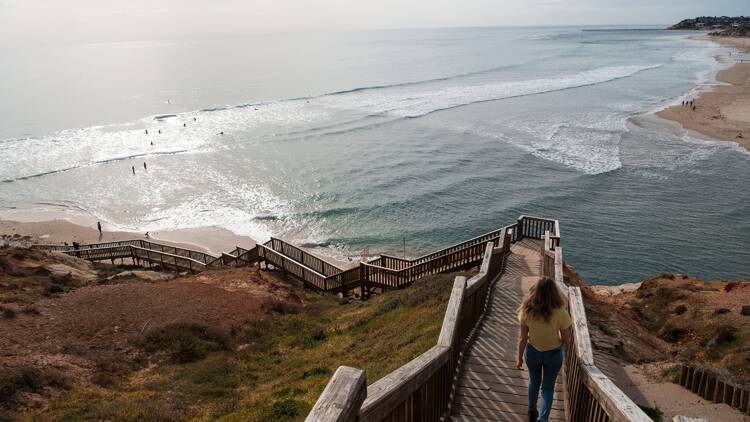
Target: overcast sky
(113, 20)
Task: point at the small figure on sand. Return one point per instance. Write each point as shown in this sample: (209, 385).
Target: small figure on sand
(146, 131)
(159, 131)
(693, 108)
(99, 226)
(194, 119)
(133, 168)
(184, 125)
(221, 133)
(152, 143)
(144, 166)
(148, 235)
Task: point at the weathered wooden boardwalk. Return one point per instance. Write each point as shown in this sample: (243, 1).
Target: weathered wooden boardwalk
(470, 374)
(489, 387)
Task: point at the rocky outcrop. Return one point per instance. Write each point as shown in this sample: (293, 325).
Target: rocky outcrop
(742, 31)
(712, 23)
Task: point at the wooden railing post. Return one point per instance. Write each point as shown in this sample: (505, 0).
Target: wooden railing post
(342, 397)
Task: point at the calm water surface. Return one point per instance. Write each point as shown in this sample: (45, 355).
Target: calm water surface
(369, 139)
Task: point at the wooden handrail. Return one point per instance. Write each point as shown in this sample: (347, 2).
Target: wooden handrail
(589, 394)
(307, 259)
(422, 388)
(342, 397)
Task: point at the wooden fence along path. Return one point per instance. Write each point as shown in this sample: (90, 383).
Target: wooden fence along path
(713, 388)
(469, 374)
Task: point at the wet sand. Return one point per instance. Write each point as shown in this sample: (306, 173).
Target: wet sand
(56, 228)
(724, 111)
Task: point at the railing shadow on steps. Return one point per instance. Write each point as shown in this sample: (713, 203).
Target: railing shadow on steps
(421, 390)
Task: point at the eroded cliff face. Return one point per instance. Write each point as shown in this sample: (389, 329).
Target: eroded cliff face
(680, 317)
(617, 333)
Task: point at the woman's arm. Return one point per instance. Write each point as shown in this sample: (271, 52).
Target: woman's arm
(523, 338)
(567, 337)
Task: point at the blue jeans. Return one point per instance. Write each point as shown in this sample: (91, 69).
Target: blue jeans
(543, 369)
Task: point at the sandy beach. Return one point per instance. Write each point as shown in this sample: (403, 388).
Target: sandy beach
(51, 228)
(724, 111)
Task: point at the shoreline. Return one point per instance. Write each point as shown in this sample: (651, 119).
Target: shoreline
(723, 111)
(56, 227)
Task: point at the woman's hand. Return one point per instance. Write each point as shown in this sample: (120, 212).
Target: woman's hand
(519, 363)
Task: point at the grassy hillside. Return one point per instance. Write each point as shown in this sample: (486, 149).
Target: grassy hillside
(271, 370)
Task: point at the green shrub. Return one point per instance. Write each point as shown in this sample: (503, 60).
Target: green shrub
(27, 379)
(317, 371)
(312, 338)
(672, 334)
(653, 412)
(184, 342)
(286, 409)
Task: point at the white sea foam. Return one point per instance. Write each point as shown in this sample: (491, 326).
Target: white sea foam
(414, 103)
(70, 149)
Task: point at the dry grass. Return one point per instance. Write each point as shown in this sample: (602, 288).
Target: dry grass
(278, 367)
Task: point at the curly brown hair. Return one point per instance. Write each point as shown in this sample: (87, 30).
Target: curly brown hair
(543, 298)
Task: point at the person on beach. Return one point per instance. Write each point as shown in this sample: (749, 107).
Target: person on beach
(693, 108)
(133, 167)
(184, 125)
(146, 131)
(545, 330)
(144, 166)
(99, 226)
(152, 143)
(159, 131)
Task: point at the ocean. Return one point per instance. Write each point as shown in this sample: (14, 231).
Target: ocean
(386, 141)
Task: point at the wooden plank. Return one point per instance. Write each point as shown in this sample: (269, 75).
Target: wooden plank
(508, 409)
(449, 328)
(342, 397)
(580, 327)
(618, 406)
(385, 394)
(492, 399)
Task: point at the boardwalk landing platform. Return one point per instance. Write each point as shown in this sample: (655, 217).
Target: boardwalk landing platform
(489, 387)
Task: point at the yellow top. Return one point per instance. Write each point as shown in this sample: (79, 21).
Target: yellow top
(545, 335)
